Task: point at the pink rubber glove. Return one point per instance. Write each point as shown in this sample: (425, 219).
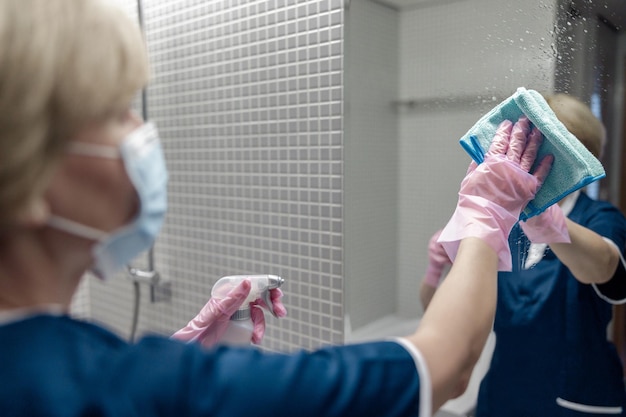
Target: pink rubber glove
(210, 324)
(437, 261)
(493, 194)
(548, 227)
(258, 317)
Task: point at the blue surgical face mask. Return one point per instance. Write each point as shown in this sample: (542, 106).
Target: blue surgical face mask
(145, 165)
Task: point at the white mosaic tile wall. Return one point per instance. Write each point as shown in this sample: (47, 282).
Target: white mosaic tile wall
(247, 96)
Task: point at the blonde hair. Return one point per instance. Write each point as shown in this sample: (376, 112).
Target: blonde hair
(64, 64)
(580, 121)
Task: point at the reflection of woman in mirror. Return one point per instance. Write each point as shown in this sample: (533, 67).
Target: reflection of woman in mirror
(552, 356)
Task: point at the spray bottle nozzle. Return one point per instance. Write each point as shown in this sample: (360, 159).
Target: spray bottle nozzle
(260, 288)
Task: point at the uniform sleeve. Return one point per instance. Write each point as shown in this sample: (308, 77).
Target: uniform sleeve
(609, 223)
(369, 379)
(426, 392)
(614, 291)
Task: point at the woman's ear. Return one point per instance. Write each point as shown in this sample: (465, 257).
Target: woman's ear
(35, 214)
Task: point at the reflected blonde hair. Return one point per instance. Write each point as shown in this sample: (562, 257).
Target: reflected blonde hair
(64, 64)
(580, 121)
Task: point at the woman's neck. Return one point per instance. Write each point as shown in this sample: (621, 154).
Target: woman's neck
(40, 268)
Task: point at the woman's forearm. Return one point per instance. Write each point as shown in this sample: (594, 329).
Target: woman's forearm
(589, 257)
(455, 327)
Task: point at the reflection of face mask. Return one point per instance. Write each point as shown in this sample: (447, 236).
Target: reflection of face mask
(145, 165)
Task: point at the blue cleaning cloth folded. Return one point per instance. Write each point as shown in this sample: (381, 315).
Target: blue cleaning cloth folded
(574, 166)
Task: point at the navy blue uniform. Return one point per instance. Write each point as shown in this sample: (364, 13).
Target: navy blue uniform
(55, 366)
(552, 357)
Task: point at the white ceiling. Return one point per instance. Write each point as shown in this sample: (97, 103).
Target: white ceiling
(403, 3)
(412, 4)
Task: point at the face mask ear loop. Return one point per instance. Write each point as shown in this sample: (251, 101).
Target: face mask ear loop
(75, 228)
(93, 149)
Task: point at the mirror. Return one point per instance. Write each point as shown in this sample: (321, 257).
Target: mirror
(418, 75)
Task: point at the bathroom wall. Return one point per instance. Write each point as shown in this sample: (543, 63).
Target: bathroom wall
(248, 100)
(418, 74)
(370, 162)
(473, 54)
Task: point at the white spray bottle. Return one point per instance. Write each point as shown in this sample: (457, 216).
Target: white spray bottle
(239, 331)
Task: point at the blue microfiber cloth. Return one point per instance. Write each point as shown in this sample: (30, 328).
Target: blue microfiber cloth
(574, 166)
